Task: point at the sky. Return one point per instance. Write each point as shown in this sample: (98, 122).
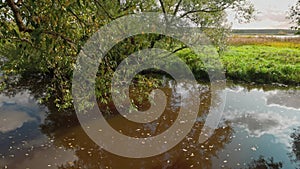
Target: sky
(271, 14)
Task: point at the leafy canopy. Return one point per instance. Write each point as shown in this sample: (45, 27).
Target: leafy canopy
(295, 16)
(43, 38)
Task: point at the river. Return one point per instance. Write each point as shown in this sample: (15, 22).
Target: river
(260, 127)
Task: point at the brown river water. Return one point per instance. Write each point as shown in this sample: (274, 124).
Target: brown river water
(260, 128)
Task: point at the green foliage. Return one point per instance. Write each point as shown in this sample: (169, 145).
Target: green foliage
(43, 38)
(263, 64)
(295, 16)
(252, 63)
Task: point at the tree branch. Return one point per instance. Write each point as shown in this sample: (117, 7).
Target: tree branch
(76, 16)
(164, 10)
(58, 35)
(73, 14)
(179, 49)
(105, 11)
(200, 10)
(176, 50)
(17, 39)
(206, 10)
(23, 28)
(17, 16)
(162, 6)
(177, 7)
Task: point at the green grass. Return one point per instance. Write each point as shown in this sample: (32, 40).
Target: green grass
(254, 63)
(238, 40)
(263, 64)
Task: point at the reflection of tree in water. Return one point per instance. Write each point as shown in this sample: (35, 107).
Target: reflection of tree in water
(188, 153)
(185, 155)
(63, 127)
(262, 163)
(36, 87)
(295, 155)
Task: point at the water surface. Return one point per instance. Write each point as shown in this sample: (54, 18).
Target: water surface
(260, 127)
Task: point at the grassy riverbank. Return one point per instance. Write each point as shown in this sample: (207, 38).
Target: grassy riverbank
(263, 64)
(259, 59)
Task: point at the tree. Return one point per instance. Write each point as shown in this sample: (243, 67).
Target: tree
(261, 163)
(295, 16)
(295, 145)
(43, 38)
(90, 155)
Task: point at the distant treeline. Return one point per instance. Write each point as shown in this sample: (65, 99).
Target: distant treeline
(264, 31)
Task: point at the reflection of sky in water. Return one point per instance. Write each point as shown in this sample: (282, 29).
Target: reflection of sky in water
(263, 123)
(18, 110)
(22, 145)
(12, 120)
(286, 99)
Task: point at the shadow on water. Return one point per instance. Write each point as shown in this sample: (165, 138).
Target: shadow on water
(262, 163)
(55, 138)
(295, 143)
(187, 154)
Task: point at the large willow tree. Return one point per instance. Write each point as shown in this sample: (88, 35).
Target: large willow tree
(41, 38)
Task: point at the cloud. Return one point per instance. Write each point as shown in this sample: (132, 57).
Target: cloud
(261, 113)
(284, 99)
(258, 124)
(273, 15)
(11, 120)
(23, 98)
(12, 114)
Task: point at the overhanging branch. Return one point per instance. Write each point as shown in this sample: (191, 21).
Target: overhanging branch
(23, 28)
(17, 16)
(162, 6)
(177, 7)
(222, 7)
